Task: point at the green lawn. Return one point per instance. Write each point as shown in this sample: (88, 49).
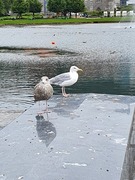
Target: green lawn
(63, 21)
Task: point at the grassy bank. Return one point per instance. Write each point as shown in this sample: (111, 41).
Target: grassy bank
(63, 21)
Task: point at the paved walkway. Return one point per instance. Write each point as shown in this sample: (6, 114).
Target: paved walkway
(7, 116)
(83, 137)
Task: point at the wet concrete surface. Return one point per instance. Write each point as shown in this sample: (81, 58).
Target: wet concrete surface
(83, 137)
(7, 116)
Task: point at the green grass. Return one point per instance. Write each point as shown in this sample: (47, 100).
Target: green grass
(63, 21)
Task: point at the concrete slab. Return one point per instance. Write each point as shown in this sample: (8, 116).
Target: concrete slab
(84, 137)
(7, 116)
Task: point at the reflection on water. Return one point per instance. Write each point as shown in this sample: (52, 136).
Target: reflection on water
(45, 130)
(18, 78)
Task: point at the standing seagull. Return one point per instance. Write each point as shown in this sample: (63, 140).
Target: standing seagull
(66, 79)
(43, 90)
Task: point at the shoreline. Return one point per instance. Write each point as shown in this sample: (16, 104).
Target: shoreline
(60, 21)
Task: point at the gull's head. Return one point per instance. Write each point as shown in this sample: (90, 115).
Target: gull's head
(44, 79)
(75, 69)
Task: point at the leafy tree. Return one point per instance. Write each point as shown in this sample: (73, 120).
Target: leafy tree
(19, 7)
(56, 6)
(78, 6)
(34, 6)
(127, 8)
(1, 7)
(74, 6)
(7, 6)
(66, 6)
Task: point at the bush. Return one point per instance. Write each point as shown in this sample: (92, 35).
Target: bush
(96, 13)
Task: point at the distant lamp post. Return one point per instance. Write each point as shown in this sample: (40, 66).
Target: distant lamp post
(45, 6)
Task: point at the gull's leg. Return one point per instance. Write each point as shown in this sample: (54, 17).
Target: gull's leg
(47, 116)
(64, 92)
(39, 112)
(46, 106)
(46, 109)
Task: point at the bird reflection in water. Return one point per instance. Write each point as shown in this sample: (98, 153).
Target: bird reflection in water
(45, 130)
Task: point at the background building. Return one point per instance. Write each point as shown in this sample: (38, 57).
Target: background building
(104, 5)
(131, 2)
(91, 5)
(44, 7)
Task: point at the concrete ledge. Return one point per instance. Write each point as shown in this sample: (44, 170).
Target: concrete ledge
(7, 117)
(84, 137)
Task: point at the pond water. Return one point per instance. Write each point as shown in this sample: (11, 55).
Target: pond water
(105, 52)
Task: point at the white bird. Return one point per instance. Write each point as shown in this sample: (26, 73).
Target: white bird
(43, 90)
(66, 79)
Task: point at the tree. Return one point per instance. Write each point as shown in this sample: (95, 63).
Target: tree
(19, 7)
(78, 6)
(127, 8)
(34, 6)
(56, 6)
(1, 8)
(66, 6)
(7, 6)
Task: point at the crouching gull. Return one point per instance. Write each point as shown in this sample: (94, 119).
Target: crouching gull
(66, 79)
(43, 90)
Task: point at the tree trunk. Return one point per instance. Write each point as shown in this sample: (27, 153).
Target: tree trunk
(70, 15)
(65, 14)
(33, 15)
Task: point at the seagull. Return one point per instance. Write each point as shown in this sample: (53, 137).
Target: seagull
(66, 79)
(43, 90)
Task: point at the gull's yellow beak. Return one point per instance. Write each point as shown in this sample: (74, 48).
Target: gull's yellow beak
(80, 69)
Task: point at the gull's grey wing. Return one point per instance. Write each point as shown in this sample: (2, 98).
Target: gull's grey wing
(57, 80)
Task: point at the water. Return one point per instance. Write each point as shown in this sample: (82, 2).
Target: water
(104, 51)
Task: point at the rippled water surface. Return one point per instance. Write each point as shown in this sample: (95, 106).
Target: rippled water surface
(104, 51)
